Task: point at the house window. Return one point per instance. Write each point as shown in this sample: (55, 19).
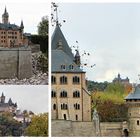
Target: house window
(53, 94)
(63, 80)
(63, 67)
(138, 123)
(76, 94)
(77, 106)
(53, 79)
(64, 106)
(63, 94)
(71, 67)
(54, 106)
(76, 80)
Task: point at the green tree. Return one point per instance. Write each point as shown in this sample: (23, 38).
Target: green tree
(116, 88)
(38, 125)
(9, 126)
(43, 26)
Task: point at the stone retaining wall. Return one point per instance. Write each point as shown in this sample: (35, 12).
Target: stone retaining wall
(65, 128)
(15, 62)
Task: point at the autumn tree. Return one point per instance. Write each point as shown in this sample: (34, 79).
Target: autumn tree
(38, 126)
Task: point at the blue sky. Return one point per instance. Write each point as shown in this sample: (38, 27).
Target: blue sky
(110, 32)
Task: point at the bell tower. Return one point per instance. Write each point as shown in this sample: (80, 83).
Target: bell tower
(5, 17)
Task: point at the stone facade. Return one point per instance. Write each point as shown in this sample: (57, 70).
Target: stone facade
(62, 128)
(81, 114)
(134, 118)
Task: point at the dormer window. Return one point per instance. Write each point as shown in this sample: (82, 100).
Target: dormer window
(71, 67)
(63, 67)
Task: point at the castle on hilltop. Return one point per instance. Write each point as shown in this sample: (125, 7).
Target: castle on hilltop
(7, 107)
(120, 80)
(11, 35)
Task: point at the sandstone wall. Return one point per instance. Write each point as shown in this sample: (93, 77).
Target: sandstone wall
(62, 128)
(15, 62)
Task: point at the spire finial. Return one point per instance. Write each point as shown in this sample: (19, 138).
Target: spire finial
(2, 94)
(56, 12)
(21, 25)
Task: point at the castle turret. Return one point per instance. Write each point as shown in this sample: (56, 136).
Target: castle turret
(133, 102)
(5, 17)
(2, 98)
(10, 102)
(77, 58)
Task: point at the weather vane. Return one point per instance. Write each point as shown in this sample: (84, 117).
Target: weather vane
(54, 15)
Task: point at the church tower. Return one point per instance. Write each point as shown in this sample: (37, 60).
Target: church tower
(2, 98)
(133, 102)
(5, 17)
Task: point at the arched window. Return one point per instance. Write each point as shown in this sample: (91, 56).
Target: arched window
(53, 94)
(63, 80)
(64, 106)
(63, 67)
(77, 106)
(76, 94)
(53, 79)
(63, 94)
(76, 80)
(71, 67)
(54, 106)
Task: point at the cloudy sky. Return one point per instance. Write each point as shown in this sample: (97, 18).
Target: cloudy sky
(110, 32)
(34, 98)
(30, 11)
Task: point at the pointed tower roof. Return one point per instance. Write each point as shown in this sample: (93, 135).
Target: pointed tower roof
(135, 94)
(56, 37)
(2, 95)
(10, 101)
(77, 54)
(21, 25)
(62, 54)
(5, 13)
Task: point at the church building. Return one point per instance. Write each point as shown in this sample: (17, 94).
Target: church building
(70, 98)
(11, 35)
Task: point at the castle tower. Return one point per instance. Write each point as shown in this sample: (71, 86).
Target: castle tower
(10, 102)
(5, 17)
(2, 98)
(133, 102)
